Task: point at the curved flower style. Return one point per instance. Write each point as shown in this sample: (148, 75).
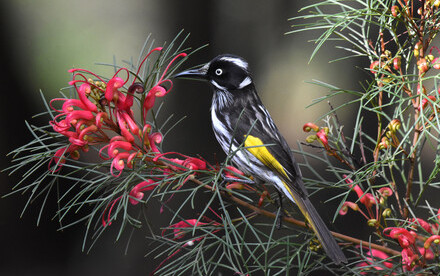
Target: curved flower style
(103, 116)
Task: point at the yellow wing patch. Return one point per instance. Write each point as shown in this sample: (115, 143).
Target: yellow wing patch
(256, 147)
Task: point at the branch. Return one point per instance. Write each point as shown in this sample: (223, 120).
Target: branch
(300, 223)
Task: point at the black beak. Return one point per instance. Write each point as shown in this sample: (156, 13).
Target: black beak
(193, 73)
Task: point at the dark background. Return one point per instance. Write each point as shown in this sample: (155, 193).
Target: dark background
(41, 40)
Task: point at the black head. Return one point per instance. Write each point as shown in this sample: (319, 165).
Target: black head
(225, 72)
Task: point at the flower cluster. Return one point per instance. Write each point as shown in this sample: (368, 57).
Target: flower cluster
(374, 203)
(417, 238)
(181, 228)
(102, 116)
(419, 241)
(374, 256)
(320, 134)
(390, 138)
(386, 62)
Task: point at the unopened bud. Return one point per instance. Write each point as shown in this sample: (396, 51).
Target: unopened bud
(387, 213)
(372, 222)
(394, 125)
(309, 127)
(395, 11)
(384, 143)
(397, 62)
(374, 66)
(436, 63)
(311, 138)
(417, 49)
(422, 65)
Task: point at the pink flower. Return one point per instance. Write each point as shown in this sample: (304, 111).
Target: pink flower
(375, 256)
(181, 225)
(365, 198)
(112, 86)
(385, 192)
(426, 101)
(418, 221)
(346, 205)
(136, 194)
(309, 127)
(59, 158)
(118, 144)
(402, 235)
(191, 163)
(409, 259)
(430, 240)
(374, 67)
(322, 136)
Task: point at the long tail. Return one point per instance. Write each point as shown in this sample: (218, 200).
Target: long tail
(328, 242)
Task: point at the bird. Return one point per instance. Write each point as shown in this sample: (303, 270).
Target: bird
(244, 129)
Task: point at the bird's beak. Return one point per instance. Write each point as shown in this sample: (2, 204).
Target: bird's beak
(193, 73)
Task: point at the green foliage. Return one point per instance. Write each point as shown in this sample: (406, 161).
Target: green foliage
(390, 160)
(395, 141)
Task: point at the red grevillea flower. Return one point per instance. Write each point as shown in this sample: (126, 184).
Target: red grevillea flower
(102, 115)
(310, 126)
(365, 198)
(136, 194)
(375, 256)
(190, 163)
(403, 236)
(178, 233)
(409, 259)
(346, 205)
(422, 223)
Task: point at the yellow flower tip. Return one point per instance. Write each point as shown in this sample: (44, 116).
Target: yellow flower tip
(394, 126)
(384, 143)
(395, 11)
(372, 222)
(386, 213)
(311, 138)
(309, 127)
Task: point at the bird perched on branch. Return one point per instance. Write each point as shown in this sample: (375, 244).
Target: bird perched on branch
(245, 130)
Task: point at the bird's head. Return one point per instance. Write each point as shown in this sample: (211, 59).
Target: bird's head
(224, 72)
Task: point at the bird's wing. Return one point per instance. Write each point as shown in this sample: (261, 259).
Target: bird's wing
(257, 132)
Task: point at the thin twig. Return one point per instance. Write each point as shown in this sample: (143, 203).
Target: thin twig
(300, 223)
(361, 145)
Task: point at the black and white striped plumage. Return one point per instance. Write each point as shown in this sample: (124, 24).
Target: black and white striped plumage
(246, 131)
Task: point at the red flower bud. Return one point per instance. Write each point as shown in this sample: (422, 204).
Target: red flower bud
(395, 11)
(310, 126)
(374, 66)
(397, 63)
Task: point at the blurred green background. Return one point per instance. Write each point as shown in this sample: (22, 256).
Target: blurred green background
(42, 39)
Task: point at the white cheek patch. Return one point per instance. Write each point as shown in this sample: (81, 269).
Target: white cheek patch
(217, 85)
(245, 83)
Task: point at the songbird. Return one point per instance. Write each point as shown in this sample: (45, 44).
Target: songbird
(245, 130)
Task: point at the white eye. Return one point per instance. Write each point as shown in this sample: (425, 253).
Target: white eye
(218, 72)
